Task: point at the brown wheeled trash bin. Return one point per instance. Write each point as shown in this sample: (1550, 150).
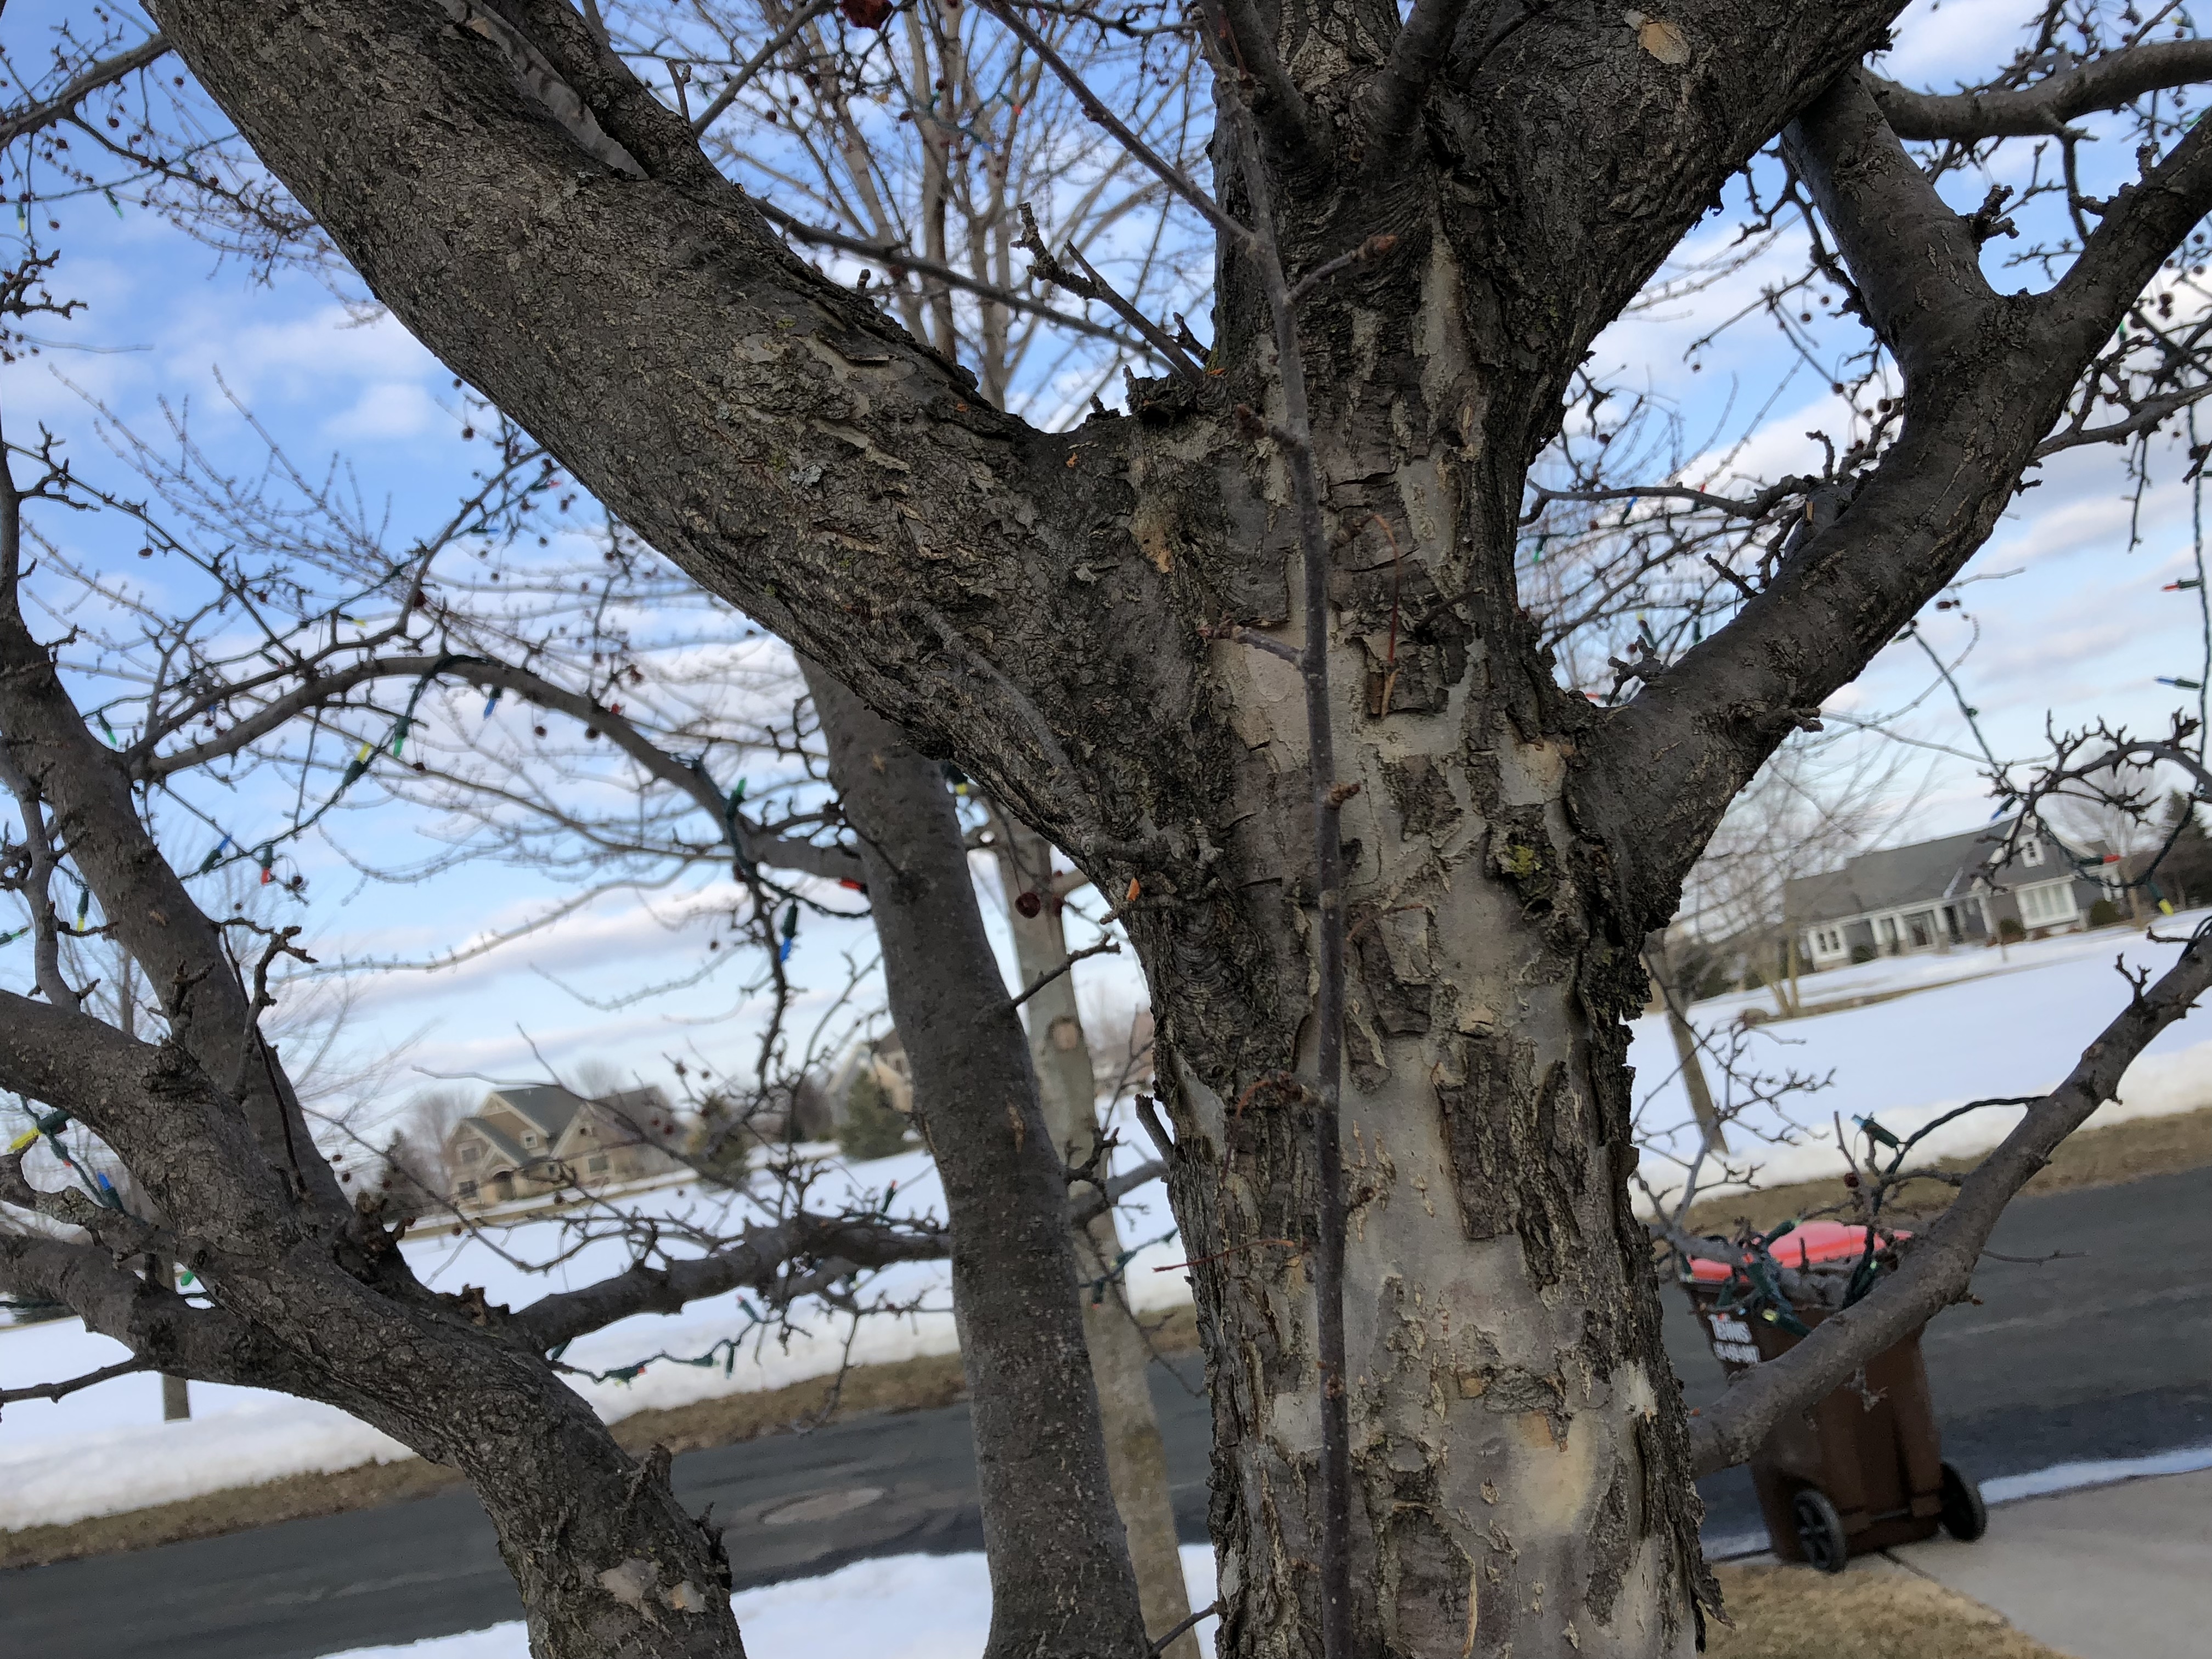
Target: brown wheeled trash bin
(1864, 1469)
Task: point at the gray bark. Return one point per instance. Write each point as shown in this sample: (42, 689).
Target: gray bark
(1120, 1359)
(1060, 1578)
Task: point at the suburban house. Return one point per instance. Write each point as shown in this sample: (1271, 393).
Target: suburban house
(1937, 894)
(523, 1142)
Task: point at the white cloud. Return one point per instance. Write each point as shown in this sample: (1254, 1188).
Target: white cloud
(388, 409)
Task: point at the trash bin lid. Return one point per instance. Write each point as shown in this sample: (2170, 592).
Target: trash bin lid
(1800, 1247)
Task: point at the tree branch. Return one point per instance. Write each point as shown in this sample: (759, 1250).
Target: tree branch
(901, 260)
(1424, 41)
(1095, 107)
(1917, 266)
(163, 1331)
(63, 1390)
(1088, 284)
(831, 863)
(2043, 109)
(1986, 380)
(1938, 1264)
(1250, 46)
(146, 906)
(727, 94)
(105, 73)
(754, 1263)
(151, 1103)
(1107, 946)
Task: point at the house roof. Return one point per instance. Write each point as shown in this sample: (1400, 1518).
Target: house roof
(546, 1107)
(1926, 872)
(631, 1109)
(499, 1138)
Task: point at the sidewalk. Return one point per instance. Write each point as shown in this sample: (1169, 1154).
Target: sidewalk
(2110, 1573)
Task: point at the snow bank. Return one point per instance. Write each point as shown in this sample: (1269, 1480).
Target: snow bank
(900, 1607)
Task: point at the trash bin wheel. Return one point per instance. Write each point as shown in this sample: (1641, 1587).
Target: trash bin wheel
(1820, 1530)
(1964, 1514)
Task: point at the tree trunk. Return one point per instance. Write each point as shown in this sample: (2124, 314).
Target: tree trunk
(1517, 1452)
(1060, 1579)
(1047, 607)
(1659, 964)
(1120, 1360)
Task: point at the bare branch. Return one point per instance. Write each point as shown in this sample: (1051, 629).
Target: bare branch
(1088, 284)
(63, 103)
(2042, 109)
(1416, 55)
(899, 259)
(1243, 38)
(1095, 107)
(753, 65)
(755, 1261)
(63, 1390)
(1111, 947)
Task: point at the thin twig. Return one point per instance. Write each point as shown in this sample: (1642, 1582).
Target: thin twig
(1092, 106)
(1111, 947)
(1088, 284)
(753, 65)
(1203, 1613)
(57, 1390)
(899, 259)
(1373, 248)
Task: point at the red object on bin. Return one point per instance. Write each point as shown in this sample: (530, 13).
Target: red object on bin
(1800, 1247)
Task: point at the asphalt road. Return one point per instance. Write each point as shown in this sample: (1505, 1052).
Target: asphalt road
(2105, 1353)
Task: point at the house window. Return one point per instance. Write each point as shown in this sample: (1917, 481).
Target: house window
(470, 1151)
(529, 1139)
(1921, 924)
(596, 1165)
(467, 1189)
(1827, 941)
(2050, 904)
(2031, 852)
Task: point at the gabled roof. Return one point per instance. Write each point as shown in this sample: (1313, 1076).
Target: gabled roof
(1926, 872)
(546, 1107)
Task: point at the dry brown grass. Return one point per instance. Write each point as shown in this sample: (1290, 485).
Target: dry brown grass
(235, 1509)
(2090, 1157)
(1888, 1613)
(909, 1385)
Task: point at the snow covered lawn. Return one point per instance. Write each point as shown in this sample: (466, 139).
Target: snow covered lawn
(106, 1449)
(900, 1607)
(1988, 1026)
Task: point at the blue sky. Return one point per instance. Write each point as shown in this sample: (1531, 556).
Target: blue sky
(2081, 630)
